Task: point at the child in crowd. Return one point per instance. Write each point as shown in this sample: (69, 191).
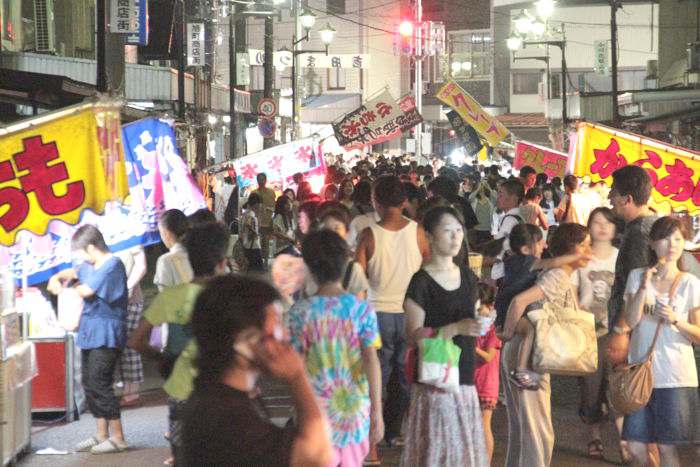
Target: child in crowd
(488, 351)
(571, 249)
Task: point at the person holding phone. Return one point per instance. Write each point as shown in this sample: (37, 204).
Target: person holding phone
(238, 331)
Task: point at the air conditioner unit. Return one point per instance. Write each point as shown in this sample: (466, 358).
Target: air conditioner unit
(45, 34)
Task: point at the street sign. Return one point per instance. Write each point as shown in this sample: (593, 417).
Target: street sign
(267, 127)
(600, 51)
(267, 108)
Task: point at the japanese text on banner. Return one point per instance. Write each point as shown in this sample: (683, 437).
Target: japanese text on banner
(54, 170)
(378, 120)
(548, 161)
(674, 172)
(469, 109)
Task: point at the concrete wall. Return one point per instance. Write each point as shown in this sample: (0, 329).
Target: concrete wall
(677, 20)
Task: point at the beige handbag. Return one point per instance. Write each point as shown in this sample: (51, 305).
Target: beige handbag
(565, 340)
(630, 385)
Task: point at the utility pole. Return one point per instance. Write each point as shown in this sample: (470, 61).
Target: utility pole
(295, 69)
(418, 30)
(101, 45)
(181, 58)
(614, 5)
(269, 67)
(232, 81)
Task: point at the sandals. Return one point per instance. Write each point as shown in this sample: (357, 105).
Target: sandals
(108, 446)
(525, 379)
(87, 444)
(595, 449)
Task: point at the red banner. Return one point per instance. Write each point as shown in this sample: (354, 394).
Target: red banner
(543, 160)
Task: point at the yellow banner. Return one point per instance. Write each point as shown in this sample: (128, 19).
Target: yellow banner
(674, 172)
(56, 169)
(472, 113)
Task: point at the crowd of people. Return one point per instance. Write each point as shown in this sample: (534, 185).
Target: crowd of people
(387, 249)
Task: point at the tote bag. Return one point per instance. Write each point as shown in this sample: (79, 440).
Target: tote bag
(565, 340)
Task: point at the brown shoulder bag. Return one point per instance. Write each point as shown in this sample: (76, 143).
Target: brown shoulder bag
(631, 384)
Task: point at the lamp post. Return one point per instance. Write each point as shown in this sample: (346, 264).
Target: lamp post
(304, 20)
(528, 27)
(254, 10)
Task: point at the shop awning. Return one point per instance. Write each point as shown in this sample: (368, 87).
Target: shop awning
(326, 108)
(42, 90)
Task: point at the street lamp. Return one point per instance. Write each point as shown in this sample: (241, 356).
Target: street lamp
(308, 19)
(538, 28)
(523, 22)
(545, 8)
(327, 35)
(514, 42)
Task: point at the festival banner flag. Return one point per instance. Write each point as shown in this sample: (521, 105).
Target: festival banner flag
(57, 168)
(466, 133)
(543, 160)
(674, 171)
(280, 163)
(380, 119)
(472, 113)
(158, 180)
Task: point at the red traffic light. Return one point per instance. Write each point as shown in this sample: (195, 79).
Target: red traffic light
(406, 28)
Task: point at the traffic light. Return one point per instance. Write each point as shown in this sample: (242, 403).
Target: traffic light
(406, 29)
(404, 38)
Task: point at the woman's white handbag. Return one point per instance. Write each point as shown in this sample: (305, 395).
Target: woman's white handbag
(70, 307)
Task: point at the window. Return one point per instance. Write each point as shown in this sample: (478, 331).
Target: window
(336, 79)
(526, 83)
(471, 54)
(335, 6)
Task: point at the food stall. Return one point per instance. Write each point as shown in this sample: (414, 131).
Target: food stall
(121, 190)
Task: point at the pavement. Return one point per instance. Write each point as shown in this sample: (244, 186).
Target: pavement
(145, 426)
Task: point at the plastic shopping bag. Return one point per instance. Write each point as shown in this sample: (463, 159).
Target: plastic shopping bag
(439, 363)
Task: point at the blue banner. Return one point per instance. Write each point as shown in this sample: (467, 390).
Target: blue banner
(159, 179)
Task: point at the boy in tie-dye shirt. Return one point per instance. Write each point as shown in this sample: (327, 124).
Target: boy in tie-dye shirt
(339, 337)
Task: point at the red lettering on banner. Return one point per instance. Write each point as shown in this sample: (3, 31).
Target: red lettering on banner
(304, 153)
(41, 177)
(367, 117)
(493, 129)
(678, 182)
(352, 128)
(14, 197)
(608, 160)
(383, 108)
(655, 162)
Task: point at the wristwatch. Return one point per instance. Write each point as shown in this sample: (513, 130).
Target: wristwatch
(620, 330)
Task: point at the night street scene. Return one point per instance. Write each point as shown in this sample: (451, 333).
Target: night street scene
(345, 233)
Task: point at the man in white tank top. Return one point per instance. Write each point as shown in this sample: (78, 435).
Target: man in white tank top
(390, 252)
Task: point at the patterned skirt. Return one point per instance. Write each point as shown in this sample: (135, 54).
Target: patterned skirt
(130, 368)
(444, 428)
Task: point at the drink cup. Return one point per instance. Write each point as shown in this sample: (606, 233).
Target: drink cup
(661, 300)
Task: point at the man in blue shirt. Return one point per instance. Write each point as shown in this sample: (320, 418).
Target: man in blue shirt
(101, 282)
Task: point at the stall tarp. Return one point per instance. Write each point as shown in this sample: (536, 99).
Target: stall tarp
(472, 113)
(674, 172)
(158, 180)
(280, 163)
(58, 168)
(378, 120)
(543, 160)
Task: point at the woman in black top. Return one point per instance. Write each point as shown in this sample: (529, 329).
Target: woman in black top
(444, 428)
